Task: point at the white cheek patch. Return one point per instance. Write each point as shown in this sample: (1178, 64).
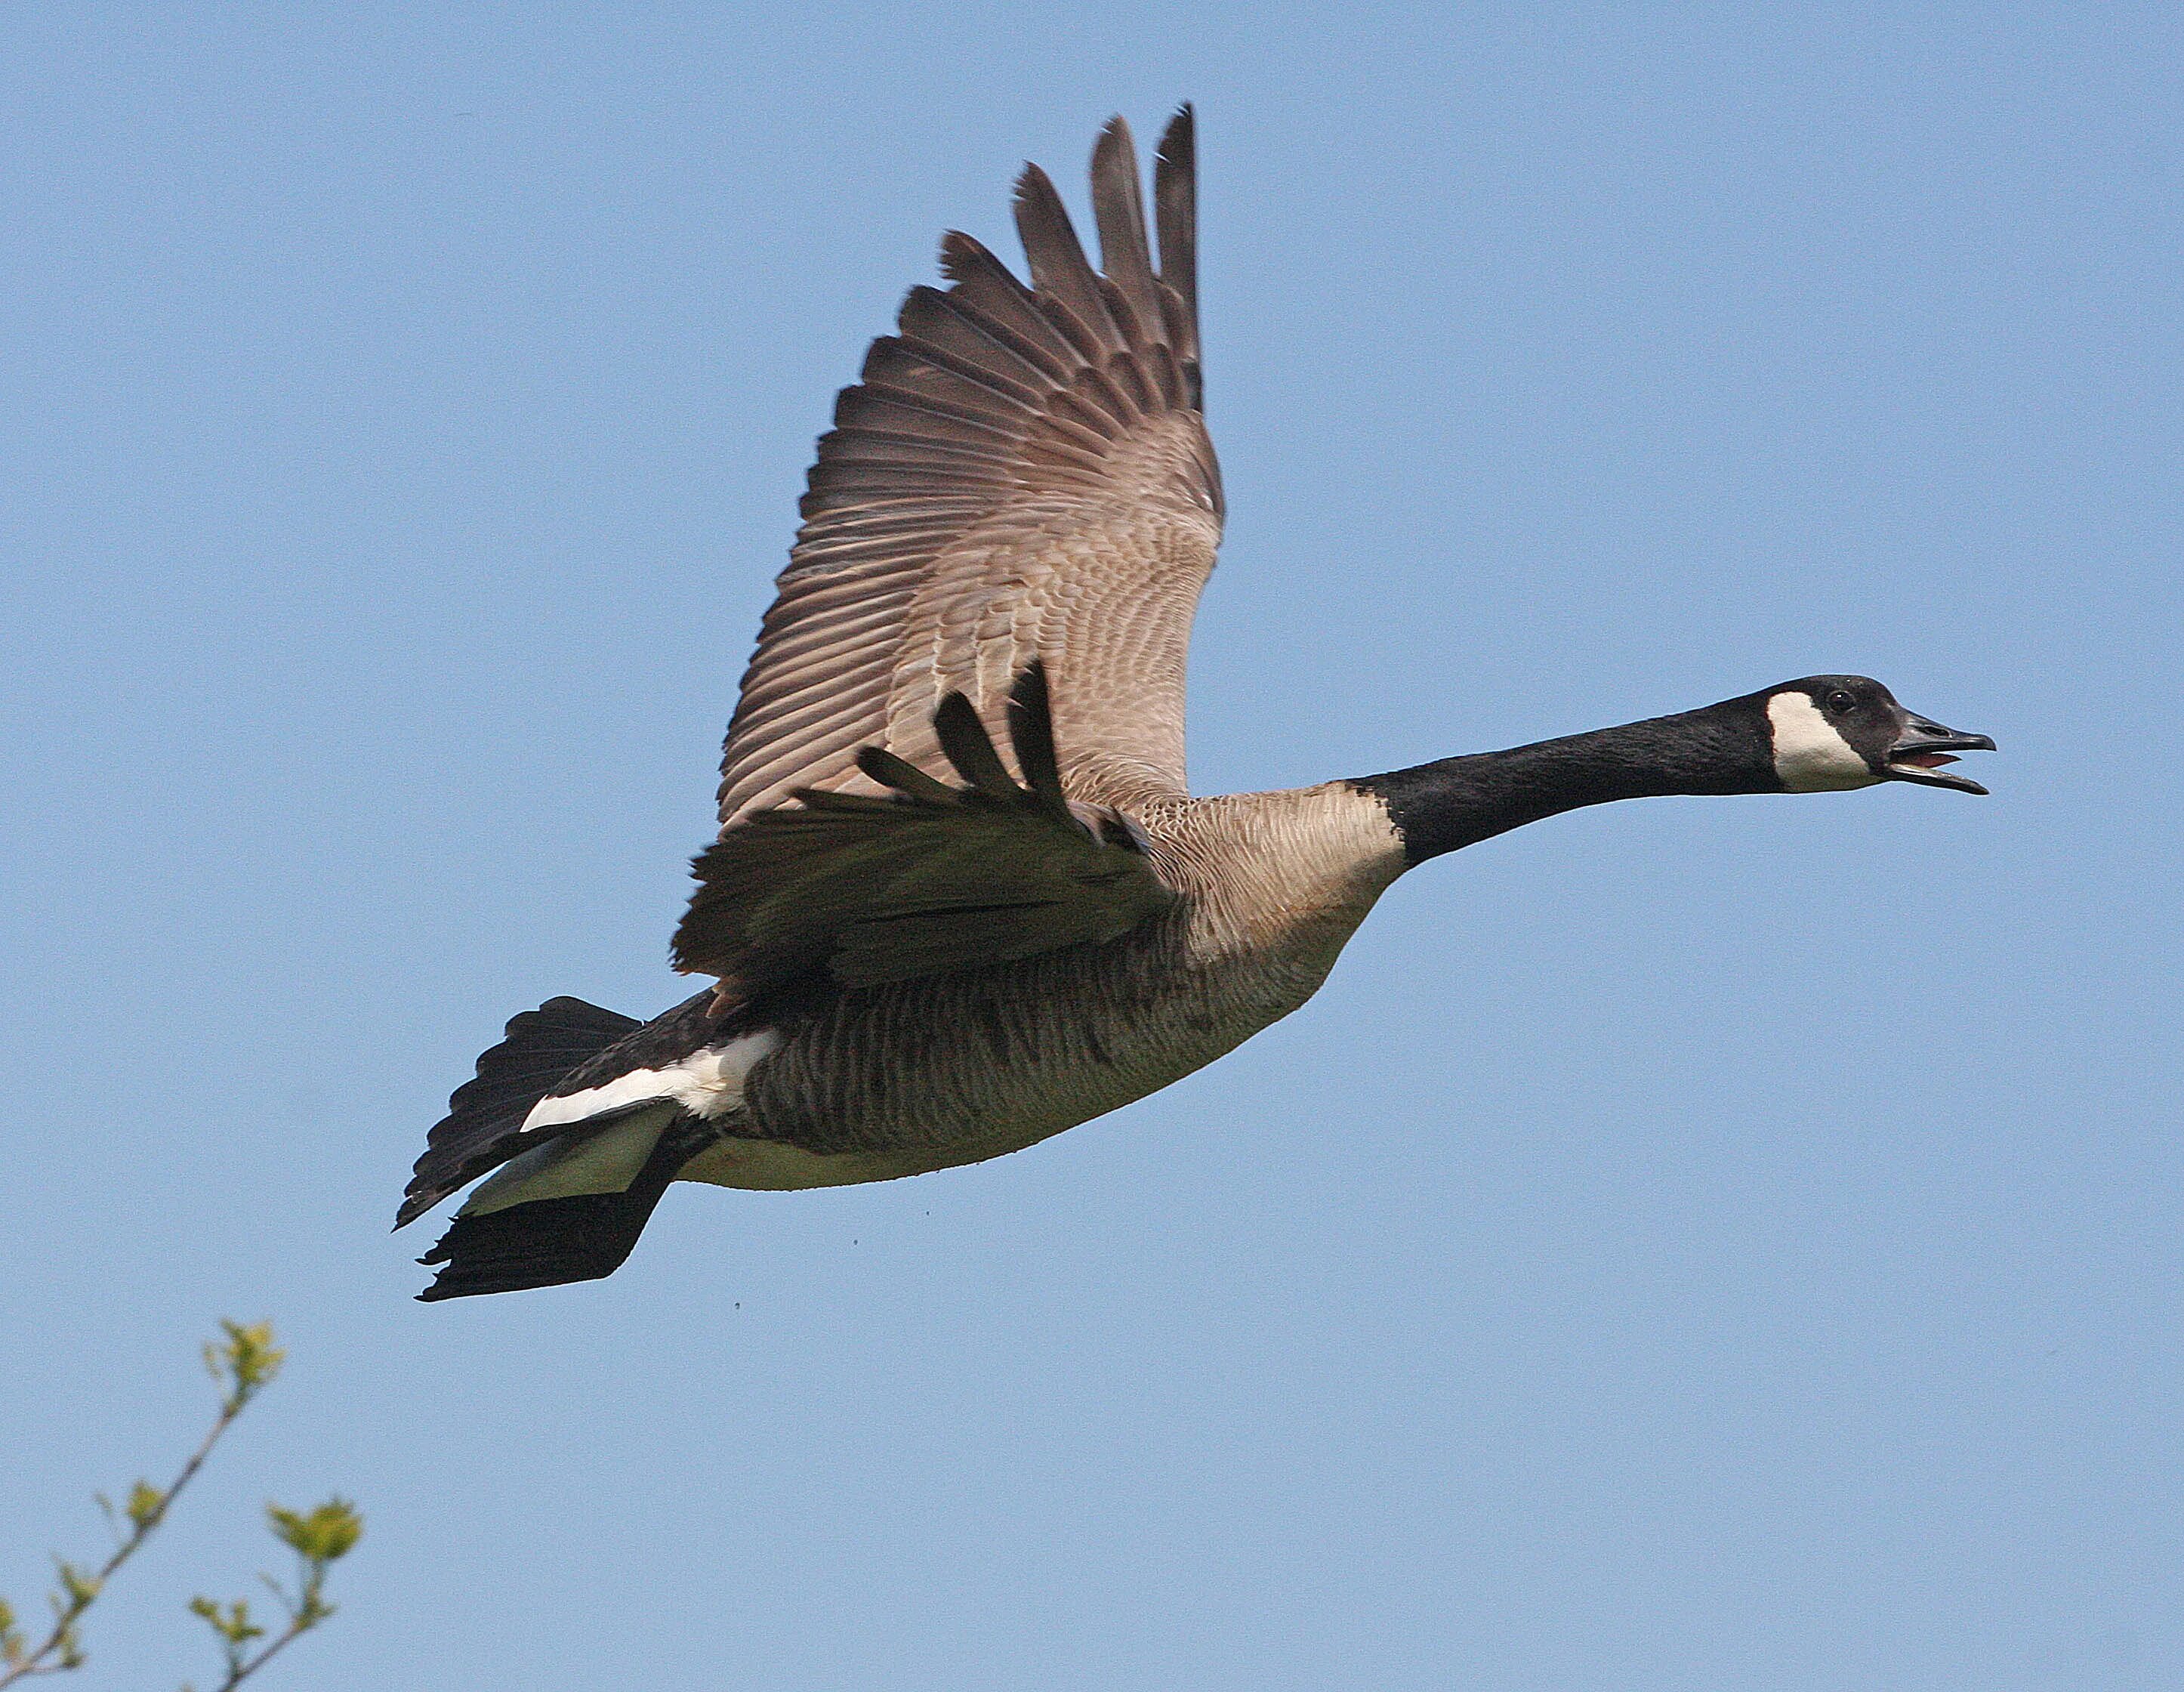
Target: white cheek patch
(708, 1083)
(1809, 755)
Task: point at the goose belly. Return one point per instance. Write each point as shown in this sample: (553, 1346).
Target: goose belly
(922, 1075)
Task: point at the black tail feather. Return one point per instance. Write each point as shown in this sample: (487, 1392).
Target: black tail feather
(550, 1242)
(541, 1048)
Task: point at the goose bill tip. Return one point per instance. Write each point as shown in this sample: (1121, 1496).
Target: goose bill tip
(1924, 751)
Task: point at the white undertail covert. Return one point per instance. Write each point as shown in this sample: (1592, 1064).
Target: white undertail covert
(709, 1083)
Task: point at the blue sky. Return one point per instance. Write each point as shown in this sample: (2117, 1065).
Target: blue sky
(1725, 1244)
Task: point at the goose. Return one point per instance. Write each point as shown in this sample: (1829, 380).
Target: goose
(918, 956)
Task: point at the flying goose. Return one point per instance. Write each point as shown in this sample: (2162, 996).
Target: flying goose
(923, 957)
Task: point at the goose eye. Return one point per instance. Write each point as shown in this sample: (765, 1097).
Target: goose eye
(1840, 701)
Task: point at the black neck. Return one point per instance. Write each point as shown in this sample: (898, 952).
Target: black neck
(1458, 801)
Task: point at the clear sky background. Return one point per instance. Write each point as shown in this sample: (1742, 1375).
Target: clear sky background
(1713, 1244)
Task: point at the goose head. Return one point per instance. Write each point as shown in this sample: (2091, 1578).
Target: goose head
(1828, 733)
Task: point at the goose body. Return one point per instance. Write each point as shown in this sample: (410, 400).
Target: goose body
(923, 957)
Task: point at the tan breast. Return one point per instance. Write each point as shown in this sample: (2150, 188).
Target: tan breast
(1266, 870)
(920, 1075)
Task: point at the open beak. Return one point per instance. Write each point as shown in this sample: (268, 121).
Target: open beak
(1923, 747)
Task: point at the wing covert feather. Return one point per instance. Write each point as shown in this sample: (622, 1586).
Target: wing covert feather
(860, 890)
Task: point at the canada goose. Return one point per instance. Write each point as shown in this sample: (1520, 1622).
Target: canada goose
(924, 958)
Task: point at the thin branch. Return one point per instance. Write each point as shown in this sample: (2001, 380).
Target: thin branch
(319, 1537)
(241, 1668)
(244, 1364)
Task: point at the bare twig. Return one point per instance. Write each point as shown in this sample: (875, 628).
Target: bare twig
(244, 1363)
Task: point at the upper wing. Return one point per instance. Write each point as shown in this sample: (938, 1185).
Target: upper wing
(1021, 474)
(931, 878)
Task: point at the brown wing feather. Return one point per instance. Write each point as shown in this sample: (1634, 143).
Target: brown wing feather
(1021, 474)
(858, 890)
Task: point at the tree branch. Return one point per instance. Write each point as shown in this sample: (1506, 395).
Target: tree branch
(244, 1363)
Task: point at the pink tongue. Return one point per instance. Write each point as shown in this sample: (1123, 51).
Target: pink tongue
(1926, 760)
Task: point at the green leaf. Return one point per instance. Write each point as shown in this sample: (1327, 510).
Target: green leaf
(246, 1362)
(144, 1505)
(232, 1624)
(319, 1535)
(80, 1585)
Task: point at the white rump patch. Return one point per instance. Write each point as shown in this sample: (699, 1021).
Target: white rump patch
(708, 1083)
(1809, 755)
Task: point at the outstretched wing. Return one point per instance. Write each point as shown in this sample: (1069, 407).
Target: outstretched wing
(1022, 473)
(862, 890)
